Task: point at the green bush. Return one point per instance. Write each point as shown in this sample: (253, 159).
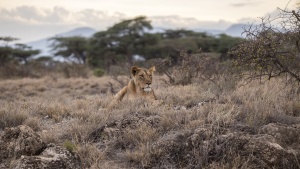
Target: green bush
(99, 72)
(70, 146)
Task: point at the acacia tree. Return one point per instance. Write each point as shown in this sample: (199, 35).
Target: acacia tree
(71, 47)
(121, 41)
(272, 48)
(18, 52)
(24, 52)
(5, 50)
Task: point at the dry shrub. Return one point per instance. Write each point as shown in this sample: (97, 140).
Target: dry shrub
(260, 104)
(189, 95)
(236, 163)
(33, 69)
(77, 131)
(167, 123)
(69, 70)
(141, 135)
(185, 67)
(222, 114)
(50, 136)
(16, 70)
(56, 110)
(104, 164)
(34, 123)
(296, 109)
(99, 117)
(142, 156)
(11, 116)
(83, 108)
(90, 156)
(138, 142)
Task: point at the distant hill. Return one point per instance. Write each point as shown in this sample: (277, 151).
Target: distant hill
(235, 30)
(44, 44)
(209, 31)
(84, 32)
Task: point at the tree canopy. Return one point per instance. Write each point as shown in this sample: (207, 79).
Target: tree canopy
(17, 52)
(121, 42)
(71, 47)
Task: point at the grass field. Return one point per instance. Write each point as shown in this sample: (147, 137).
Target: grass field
(67, 111)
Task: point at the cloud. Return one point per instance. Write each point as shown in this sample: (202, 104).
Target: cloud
(240, 4)
(274, 16)
(98, 19)
(30, 23)
(175, 21)
(245, 3)
(58, 16)
(247, 20)
(33, 15)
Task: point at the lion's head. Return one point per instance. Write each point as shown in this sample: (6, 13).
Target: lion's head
(142, 77)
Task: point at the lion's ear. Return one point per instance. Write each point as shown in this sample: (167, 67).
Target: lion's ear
(135, 70)
(152, 69)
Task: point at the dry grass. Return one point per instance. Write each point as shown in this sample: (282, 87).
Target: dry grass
(64, 110)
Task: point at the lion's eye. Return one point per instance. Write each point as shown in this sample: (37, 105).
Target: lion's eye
(142, 76)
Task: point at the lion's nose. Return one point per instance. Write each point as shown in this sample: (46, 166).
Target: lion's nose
(148, 83)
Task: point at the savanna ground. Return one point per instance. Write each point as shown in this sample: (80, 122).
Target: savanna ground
(69, 112)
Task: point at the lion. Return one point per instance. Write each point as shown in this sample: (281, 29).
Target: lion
(139, 85)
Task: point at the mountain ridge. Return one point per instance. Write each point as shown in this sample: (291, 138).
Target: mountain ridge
(44, 44)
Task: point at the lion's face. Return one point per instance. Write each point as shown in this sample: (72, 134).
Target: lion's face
(143, 77)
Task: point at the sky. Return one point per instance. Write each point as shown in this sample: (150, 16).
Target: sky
(34, 19)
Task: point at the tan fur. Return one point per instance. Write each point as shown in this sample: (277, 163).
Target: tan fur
(139, 85)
